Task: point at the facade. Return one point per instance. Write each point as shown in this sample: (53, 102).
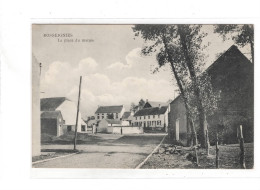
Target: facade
(52, 123)
(36, 125)
(68, 111)
(232, 74)
(152, 118)
(109, 112)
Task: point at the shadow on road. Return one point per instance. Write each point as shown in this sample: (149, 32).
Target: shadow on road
(141, 140)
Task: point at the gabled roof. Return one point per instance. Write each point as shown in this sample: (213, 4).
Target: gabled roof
(232, 55)
(113, 121)
(50, 114)
(151, 111)
(109, 109)
(154, 104)
(126, 115)
(51, 104)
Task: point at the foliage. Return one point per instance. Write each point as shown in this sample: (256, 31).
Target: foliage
(110, 116)
(181, 46)
(133, 107)
(241, 34)
(141, 103)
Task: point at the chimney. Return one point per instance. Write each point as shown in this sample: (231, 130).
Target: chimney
(159, 106)
(146, 100)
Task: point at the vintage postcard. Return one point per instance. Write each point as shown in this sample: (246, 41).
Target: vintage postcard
(143, 96)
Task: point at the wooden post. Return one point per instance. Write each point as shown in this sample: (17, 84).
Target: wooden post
(242, 148)
(207, 142)
(217, 151)
(76, 127)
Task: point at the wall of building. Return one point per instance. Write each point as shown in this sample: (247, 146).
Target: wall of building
(233, 77)
(178, 111)
(36, 126)
(139, 121)
(49, 126)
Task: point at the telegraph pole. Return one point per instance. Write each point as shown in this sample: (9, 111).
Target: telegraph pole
(76, 127)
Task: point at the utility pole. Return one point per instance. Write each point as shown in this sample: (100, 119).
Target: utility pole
(76, 127)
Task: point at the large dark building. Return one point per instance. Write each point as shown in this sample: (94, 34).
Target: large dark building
(232, 74)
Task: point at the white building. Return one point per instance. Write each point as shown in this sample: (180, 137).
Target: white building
(109, 112)
(152, 118)
(68, 111)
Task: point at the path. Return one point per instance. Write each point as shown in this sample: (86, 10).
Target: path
(112, 152)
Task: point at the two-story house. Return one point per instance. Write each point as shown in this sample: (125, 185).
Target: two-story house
(153, 118)
(109, 112)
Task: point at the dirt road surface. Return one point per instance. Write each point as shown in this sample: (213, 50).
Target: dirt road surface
(113, 151)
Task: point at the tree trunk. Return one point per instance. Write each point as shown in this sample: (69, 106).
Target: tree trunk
(189, 134)
(195, 86)
(195, 141)
(179, 85)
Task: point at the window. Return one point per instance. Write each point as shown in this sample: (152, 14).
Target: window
(68, 128)
(98, 117)
(158, 116)
(83, 128)
(135, 118)
(117, 115)
(140, 118)
(153, 116)
(102, 117)
(144, 117)
(158, 122)
(148, 116)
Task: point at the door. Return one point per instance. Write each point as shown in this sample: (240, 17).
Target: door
(177, 129)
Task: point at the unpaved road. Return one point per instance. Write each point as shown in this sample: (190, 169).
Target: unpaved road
(113, 151)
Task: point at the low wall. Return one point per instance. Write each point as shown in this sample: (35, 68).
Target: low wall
(127, 130)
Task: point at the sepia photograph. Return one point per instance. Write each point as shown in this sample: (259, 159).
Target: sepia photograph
(143, 96)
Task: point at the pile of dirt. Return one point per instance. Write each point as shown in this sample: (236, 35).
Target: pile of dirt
(170, 156)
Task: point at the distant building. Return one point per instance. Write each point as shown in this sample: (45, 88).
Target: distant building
(154, 118)
(233, 75)
(68, 111)
(109, 112)
(128, 116)
(149, 104)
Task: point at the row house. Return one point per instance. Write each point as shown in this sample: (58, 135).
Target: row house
(152, 118)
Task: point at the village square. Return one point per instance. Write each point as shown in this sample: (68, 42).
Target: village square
(171, 103)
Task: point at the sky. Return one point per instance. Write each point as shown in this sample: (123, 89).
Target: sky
(110, 62)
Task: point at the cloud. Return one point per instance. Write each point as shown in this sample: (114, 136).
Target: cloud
(99, 88)
(132, 59)
(87, 66)
(119, 65)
